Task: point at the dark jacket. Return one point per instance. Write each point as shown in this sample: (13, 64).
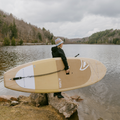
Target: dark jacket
(58, 52)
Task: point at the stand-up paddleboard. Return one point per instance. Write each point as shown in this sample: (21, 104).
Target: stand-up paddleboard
(48, 75)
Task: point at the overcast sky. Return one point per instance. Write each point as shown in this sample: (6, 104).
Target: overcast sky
(67, 18)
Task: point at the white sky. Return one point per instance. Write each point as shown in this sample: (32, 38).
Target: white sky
(67, 18)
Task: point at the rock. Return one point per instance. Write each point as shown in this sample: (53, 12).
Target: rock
(6, 104)
(24, 100)
(76, 98)
(13, 103)
(65, 105)
(39, 99)
(21, 97)
(6, 98)
(14, 98)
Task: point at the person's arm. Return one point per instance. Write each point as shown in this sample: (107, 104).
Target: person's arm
(64, 59)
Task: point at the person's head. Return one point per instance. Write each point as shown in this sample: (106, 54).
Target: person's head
(59, 42)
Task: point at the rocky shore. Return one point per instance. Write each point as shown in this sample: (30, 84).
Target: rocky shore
(38, 106)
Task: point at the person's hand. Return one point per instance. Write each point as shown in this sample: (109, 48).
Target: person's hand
(67, 71)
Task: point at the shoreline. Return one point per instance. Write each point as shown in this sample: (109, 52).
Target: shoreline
(32, 44)
(27, 111)
(28, 108)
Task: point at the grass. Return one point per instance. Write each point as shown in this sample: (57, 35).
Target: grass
(28, 112)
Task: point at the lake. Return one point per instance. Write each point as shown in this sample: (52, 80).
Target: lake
(101, 101)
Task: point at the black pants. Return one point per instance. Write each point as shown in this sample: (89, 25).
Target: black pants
(58, 93)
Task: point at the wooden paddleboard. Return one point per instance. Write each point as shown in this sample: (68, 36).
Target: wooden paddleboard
(83, 72)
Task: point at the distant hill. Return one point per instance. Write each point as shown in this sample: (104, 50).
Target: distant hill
(78, 40)
(13, 28)
(10, 26)
(103, 37)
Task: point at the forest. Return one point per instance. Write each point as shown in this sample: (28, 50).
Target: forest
(14, 31)
(103, 37)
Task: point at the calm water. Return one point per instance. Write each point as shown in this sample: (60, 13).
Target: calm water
(101, 100)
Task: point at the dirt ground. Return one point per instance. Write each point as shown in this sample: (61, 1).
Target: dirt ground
(27, 112)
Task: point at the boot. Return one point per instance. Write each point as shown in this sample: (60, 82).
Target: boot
(55, 94)
(60, 96)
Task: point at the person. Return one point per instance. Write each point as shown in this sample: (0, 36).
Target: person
(57, 51)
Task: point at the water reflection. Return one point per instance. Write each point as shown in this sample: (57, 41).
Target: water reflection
(101, 100)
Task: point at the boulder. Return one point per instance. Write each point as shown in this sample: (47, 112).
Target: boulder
(65, 105)
(76, 98)
(13, 103)
(24, 99)
(39, 99)
(7, 98)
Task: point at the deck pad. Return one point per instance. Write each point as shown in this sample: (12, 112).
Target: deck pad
(28, 82)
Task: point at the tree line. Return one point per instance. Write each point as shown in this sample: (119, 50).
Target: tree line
(105, 37)
(16, 32)
(9, 32)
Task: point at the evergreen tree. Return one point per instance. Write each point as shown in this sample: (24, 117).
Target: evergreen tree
(21, 42)
(116, 40)
(1, 22)
(6, 42)
(39, 36)
(52, 42)
(43, 29)
(51, 36)
(13, 42)
(13, 30)
(5, 29)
